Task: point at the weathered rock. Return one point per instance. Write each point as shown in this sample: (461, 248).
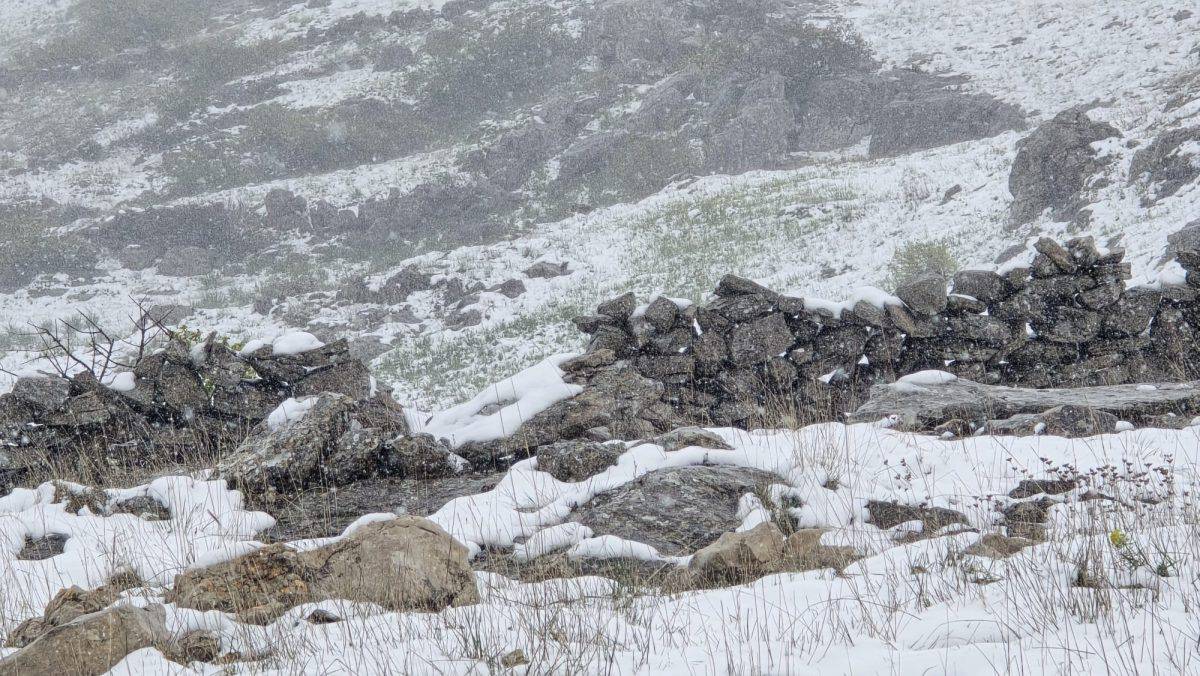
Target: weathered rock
(1053, 165)
(406, 563)
(924, 294)
(675, 510)
(336, 441)
(1061, 421)
(91, 644)
(982, 285)
(739, 556)
(759, 340)
(577, 460)
(931, 404)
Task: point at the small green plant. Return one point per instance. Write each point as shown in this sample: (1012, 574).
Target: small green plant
(1135, 557)
(917, 258)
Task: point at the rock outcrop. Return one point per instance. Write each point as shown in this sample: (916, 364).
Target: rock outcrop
(405, 563)
(184, 400)
(1053, 165)
(90, 644)
(677, 510)
(333, 440)
(1068, 411)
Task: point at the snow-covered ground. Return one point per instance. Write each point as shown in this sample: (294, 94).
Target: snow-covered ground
(1044, 55)
(21, 20)
(907, 607)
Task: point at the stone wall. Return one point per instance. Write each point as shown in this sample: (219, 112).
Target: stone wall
(1066, 319)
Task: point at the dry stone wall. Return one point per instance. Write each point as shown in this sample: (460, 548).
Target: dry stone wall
(1066, 319)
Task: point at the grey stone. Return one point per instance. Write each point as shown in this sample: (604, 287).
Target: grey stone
(676, 511)
(661, 314)
(933, 404)
(759, 340)
(983, 285)
(1061, 421)
(924, 294)
(577, 460)
(1053, 165)
(619, 308)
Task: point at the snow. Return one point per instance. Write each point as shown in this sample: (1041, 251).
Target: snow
(293, 343)
(550, 540)
(613, 547)
(208, 524)
(123, 382)
(519, 398)
(23, 19)
(1044, 55)
(290, 411)
(880, 615)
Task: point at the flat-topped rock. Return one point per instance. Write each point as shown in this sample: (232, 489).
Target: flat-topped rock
(930, 398)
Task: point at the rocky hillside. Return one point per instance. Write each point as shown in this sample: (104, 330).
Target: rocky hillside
(394, 170)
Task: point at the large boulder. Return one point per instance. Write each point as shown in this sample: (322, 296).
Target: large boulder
(677, 510)
(905, 126)
(405, 563)
(929, 402)
(91, 644)
(1053, 165)
(738, 556)
(331, 439)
